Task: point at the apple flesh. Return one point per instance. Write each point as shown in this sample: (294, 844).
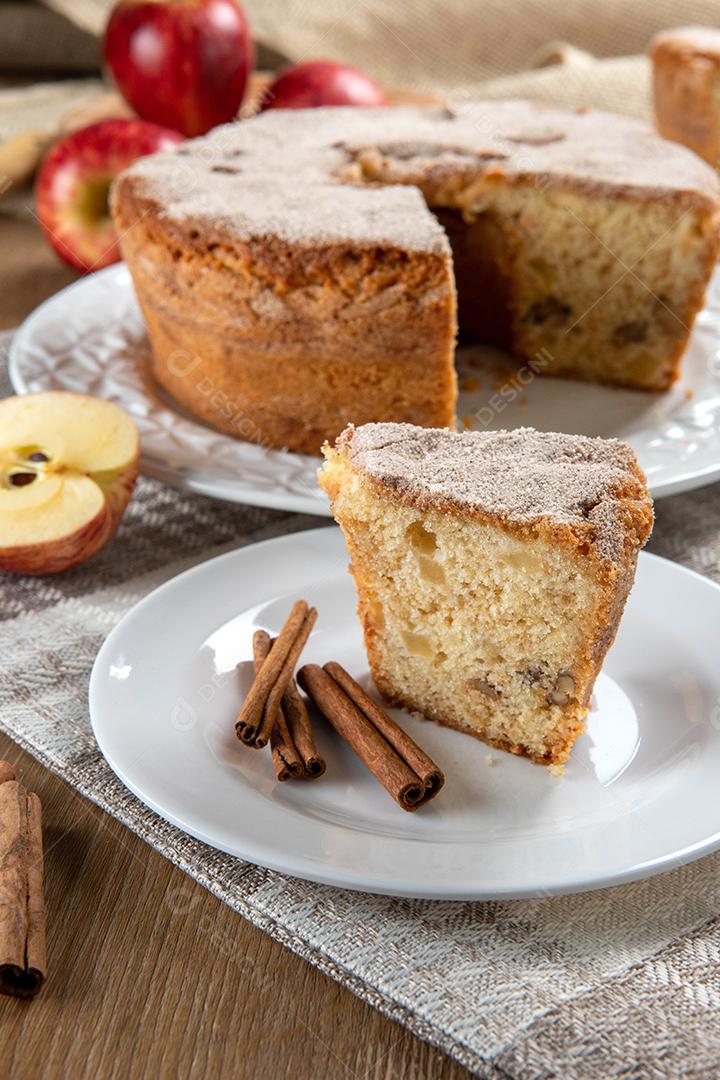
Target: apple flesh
(73, 184)
(320, 82)
(183, 64)
(68, 465)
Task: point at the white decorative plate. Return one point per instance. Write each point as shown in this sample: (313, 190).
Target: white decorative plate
(90, 338)
(640, 793)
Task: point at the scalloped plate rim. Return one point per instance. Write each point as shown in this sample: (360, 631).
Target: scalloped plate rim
(222, 484)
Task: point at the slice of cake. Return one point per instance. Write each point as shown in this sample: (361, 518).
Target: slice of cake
(492, 570)
(686, 88)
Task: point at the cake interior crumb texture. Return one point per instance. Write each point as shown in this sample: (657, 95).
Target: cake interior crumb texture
(492, 570)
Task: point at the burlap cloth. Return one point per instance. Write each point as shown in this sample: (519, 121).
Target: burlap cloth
(619, 983)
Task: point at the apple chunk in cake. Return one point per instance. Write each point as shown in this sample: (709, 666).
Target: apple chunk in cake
(492, 569)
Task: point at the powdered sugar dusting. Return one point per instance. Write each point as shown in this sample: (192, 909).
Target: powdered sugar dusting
(289, 173)
(521, 476)
(703, 40)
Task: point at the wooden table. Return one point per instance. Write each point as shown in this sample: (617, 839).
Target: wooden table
(144, 978)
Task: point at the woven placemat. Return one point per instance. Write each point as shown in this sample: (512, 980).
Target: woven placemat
(624, 982)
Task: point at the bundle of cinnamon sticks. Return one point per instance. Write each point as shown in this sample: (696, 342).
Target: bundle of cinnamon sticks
(22, 906)
(291, 739)
(275, 711)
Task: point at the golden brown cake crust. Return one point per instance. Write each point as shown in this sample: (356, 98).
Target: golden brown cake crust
(686, 67)
(702, 41)
(282, 345)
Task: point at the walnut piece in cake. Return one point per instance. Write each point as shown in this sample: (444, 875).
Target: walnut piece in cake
(492, 570)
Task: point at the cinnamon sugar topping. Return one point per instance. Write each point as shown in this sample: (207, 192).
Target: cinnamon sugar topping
(306, 176)
(524, 476)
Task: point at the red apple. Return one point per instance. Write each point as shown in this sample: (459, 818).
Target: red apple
(181, 63)
(71, 193)
(321, 82)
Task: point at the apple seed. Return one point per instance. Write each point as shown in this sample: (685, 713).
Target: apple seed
(21, 479)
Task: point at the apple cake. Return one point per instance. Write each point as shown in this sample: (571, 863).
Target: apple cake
(492, 569)
(299, 271)
(686, 88)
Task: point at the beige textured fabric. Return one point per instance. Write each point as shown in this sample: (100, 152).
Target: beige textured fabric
(31, 118)
(620, 983)
(42, 107)
(621, 85)
(443, 44)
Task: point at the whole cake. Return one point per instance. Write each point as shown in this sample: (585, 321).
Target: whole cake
(299, 270)
(492, 569)
(686, 88)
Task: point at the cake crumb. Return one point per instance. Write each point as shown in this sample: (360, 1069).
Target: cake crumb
(469, 383)
(689, 394)
(467, 422)
(489, 761)
(558, 771)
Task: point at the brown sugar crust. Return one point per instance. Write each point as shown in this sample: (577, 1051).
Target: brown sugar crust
(293, 278)
(587, 495)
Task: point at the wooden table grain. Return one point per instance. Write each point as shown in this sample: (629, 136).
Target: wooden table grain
(149, 974)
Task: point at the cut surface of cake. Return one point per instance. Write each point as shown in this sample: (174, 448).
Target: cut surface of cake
(299, 271)
(686, 88)
(492, 569)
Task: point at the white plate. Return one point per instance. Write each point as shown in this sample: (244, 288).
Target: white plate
(90, 338)
(640, 794)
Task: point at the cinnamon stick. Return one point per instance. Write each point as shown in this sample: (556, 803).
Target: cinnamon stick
(262, 704)
(22, 906)
(286, 760)
(369, 743)
(300, 728)
(287, 672)
(421, 764)
(291, 741)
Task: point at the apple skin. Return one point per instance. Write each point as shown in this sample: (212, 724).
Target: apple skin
(71, 192)
(321, 82)
(65, 552)
(182, 64)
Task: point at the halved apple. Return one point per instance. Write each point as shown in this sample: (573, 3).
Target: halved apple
(68, 465)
